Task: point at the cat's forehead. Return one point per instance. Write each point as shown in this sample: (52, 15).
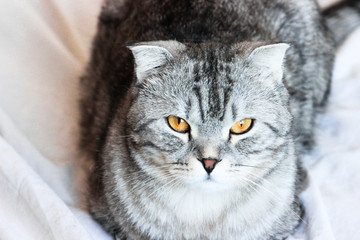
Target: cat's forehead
(209, 65)
(209, 90)
(210, 81)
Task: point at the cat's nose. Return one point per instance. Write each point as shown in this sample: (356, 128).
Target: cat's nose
(209, 164)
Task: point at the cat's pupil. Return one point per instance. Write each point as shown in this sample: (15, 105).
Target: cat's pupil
(179, 121)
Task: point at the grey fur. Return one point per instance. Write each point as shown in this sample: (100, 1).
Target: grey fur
(342, 19)
(225, 66)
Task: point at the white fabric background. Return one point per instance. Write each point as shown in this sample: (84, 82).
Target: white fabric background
(44, 45)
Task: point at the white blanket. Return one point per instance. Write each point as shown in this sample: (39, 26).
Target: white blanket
(44, 45)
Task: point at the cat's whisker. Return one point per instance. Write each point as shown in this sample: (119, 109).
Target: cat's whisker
(270, 192)
(258, 191)
(140, 178)
(244, 165)
(126, 136)
(177, 163)
(141, 186)
(162, 187)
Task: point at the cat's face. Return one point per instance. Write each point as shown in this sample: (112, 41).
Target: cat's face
(209, 116)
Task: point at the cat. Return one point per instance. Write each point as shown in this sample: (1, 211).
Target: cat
(196, 114)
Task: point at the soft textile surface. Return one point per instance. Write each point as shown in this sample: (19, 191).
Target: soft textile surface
(44, 45)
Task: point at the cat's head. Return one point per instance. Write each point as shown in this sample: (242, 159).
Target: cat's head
(209, 115)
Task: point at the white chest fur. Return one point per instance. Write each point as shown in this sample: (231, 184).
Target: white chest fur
(194, 214)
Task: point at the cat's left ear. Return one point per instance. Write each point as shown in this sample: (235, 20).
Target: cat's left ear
(271, 57)
(151, 56)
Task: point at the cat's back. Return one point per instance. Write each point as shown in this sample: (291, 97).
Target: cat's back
(225, 21)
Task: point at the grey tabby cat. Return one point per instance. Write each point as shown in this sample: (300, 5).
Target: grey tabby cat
(196, 113)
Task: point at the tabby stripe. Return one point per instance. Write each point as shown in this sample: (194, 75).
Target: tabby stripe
(187, 108)
(276, 131)
(143, 126)
(214, 96)
(196, 73)
(271, 170)
(152, 145)
(226, 100)
(233, 111)
(198, 95)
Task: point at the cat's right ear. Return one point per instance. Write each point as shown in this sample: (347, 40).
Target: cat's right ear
(151, 56)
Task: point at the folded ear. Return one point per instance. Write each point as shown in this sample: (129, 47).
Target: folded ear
(150, 56)
(270, 57)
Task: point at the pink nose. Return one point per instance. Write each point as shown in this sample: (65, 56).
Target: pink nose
(209, 164)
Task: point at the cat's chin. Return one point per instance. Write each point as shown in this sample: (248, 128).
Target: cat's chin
(209, 184)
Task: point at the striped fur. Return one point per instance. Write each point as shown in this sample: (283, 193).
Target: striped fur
(211, 63)
(342, 19)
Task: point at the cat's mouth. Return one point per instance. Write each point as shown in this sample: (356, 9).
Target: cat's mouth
(210, 184)
(209, 178)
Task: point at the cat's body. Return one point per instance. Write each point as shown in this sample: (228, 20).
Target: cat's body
(148, 181)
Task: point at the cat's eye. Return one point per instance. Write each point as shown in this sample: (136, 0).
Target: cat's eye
(242, 126)
(178, 124)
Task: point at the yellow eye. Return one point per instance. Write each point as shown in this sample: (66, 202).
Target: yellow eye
(178, 124)
(242, 126)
